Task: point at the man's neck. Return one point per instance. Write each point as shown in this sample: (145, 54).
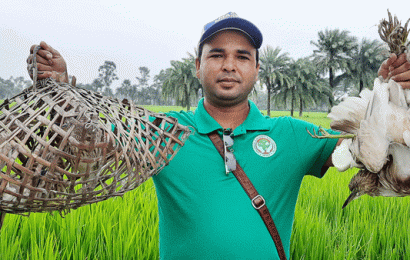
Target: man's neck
(228, 117)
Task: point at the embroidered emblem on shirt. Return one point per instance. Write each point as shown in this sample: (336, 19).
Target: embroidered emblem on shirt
(264, 146)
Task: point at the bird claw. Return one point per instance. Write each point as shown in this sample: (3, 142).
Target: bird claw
(327, 135)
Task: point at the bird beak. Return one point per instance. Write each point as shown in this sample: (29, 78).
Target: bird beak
(351, 197)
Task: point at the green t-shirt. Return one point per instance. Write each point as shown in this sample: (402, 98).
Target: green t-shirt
(206, 214)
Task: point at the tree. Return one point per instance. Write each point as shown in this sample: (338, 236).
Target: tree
(309, 87)
(13, 86)
(334, 49)
(6, 88)
(143, 91)
(157, 87)
(365, 61)
(143, 80)
(107, 74)
(20, 83)
(303, 86)
(96, 85)
(181, 82)
(272, 65)
(126, 90)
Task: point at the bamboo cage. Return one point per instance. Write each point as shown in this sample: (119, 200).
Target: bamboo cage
(62, 147)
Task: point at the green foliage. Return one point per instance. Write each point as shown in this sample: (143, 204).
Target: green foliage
(107, 74)
(369, 228)
(301, 86)
(334, 49)
(120, 228)
(181, 82)
(364, 64)
(273, 63)
(12, 86)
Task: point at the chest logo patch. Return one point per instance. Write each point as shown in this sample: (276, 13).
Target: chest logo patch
(264, 146)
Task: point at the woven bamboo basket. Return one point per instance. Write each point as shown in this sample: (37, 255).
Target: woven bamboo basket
(63, 147)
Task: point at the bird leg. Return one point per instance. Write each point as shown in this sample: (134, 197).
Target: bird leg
(327, 135)
(394, 34)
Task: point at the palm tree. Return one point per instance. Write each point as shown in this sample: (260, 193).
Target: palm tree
(181, 82)
(272, 65)
(334, 49)
(310, 88)
(302, 87)
(365, 61)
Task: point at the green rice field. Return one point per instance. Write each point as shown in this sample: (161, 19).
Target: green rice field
(127, 227)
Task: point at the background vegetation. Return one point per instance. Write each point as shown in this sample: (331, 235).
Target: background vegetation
(340, 65)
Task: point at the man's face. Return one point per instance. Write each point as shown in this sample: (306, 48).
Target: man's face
(228, 69)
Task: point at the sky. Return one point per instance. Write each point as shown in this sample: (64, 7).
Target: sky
(152, 33)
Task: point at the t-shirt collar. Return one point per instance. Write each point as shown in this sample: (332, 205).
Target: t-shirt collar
(254, 121)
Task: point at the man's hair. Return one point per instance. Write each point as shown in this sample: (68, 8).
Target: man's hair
(202, 46)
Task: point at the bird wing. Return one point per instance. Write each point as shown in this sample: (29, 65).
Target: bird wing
(371, 144)
(395, 177)
(397, 95)
(346, 116)
(400, 161)
(399, 118)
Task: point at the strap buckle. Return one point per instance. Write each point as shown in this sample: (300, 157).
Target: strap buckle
(258, 204)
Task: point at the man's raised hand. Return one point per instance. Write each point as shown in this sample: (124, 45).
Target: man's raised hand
(398, 68)
(50, 63)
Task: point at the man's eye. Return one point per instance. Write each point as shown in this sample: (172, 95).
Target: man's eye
(243, 58)
(216, 56)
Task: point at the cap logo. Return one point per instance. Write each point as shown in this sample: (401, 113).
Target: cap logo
(223, 17)
(231, 21)
(264, 146)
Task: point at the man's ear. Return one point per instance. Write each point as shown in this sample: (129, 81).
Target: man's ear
(257, 71)
(198, 66)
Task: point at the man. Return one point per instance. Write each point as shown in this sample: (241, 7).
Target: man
(204, 212)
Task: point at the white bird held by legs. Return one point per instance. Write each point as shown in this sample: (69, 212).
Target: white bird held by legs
(378, 130)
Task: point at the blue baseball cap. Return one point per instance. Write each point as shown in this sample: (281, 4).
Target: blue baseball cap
(231, 21)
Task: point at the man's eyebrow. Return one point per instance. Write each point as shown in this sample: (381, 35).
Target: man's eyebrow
(244, 52)
(217, 50)
(238, 51)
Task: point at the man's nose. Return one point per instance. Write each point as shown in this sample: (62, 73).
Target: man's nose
(229, 64)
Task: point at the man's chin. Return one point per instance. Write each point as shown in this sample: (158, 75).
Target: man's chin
(230, 100)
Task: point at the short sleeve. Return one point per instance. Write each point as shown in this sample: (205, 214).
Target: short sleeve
(313, 151)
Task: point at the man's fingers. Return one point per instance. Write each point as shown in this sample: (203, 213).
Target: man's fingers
(43, 68)
(402, 77)
(32, 48)
(48, 48)
(399, 61)
(41, 60)
(403, 69)
(395, 66)
(389, 62)
(44, 74)
(45, 54)
(42, 64)
(46, 51)
(405, 84)
(385, 67)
